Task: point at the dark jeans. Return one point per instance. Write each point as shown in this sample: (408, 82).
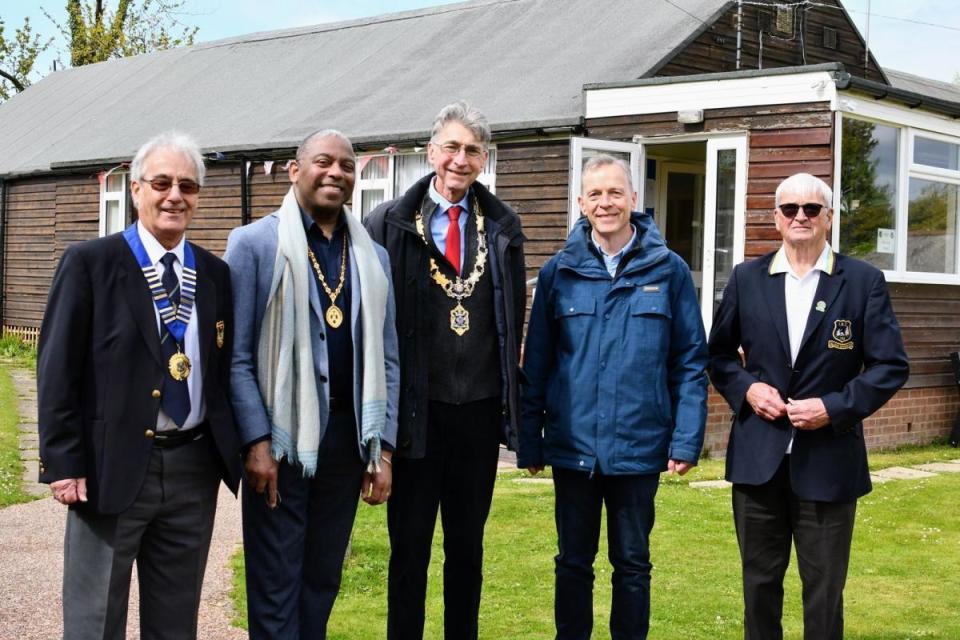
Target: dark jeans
(630, 516)
(294, 553)
(455, 476)
(767, 517)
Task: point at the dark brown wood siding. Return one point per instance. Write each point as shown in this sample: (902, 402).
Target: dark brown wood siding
(29, 254)
(929, 317)
(532, 178)
(715, 49)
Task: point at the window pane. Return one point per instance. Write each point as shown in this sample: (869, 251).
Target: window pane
(376, 168)
(408, 169)
(932, 227)
(868, 180)
(935, 153)
(491, 166)
(369, 200)
(114, 219)
(115, 182)
(726, 201)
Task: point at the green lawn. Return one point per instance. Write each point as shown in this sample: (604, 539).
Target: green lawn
(11, 469)
(904, 573)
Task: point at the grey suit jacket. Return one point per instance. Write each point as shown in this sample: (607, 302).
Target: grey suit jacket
(251, 253)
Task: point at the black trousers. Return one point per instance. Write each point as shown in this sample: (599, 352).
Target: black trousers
(767, 518)
(294, 554)
(456, 476)
(166, 531)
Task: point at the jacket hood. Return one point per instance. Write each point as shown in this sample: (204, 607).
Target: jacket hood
(577, 253)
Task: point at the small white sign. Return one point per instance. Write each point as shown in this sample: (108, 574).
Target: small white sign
(886, 240)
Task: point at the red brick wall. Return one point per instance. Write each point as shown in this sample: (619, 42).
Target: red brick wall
(912, 416)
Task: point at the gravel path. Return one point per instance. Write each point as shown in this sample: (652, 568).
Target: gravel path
(31, 561)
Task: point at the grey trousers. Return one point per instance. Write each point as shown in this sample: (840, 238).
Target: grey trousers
(166, 531)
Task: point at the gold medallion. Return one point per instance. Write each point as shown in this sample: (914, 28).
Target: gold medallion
(179, 366)
(459, 320)
(334, 316)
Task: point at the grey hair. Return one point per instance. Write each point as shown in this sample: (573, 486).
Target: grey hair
(323, 133)
(603, 160)
(470, 117)
(805, 183)
(175, 141)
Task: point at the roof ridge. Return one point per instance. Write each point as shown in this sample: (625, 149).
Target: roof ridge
(383, 18)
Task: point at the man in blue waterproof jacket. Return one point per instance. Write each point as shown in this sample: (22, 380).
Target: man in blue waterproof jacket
(616, 393)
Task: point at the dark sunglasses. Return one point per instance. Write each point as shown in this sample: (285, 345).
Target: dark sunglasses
(163, 184)
(791, 209)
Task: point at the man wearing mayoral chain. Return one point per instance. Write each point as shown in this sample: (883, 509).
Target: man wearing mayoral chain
(457, 255)
(804, 346)
(136, 429)
(315, 381)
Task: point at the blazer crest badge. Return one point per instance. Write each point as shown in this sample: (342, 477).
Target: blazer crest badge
(221, 326)
(842, 335)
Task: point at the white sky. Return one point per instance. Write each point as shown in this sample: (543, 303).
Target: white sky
(929, 50)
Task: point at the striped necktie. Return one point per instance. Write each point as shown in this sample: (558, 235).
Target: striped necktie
(175, 399)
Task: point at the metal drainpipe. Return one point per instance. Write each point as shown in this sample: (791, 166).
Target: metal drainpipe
(244, 193)
(3, 248)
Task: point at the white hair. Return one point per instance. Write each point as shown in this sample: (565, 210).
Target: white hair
(470, 117)
(317, 135)
(175, 141)
(805, 183)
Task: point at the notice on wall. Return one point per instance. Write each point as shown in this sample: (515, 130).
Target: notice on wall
(886, 240)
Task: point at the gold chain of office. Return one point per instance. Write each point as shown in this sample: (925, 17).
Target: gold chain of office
(334, 315)
(459, 289)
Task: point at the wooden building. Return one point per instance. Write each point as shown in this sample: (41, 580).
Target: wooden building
(713, 102)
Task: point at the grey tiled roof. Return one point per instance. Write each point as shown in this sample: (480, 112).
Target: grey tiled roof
(522, 62)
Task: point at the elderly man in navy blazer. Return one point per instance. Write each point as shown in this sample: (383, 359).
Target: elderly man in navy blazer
(821, 351)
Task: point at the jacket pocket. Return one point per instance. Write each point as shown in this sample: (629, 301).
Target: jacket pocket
(570, 308)
(652, 304)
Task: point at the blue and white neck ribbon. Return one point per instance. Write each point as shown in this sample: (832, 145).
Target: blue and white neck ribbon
(175, 318)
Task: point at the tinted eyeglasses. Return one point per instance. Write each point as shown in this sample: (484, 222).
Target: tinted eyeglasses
(453, 148)
(162, 184)
(791, 209)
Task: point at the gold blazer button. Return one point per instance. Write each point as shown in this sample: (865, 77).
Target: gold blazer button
(149, 433)
(156, 393)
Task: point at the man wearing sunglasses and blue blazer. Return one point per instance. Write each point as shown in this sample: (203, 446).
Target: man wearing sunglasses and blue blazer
(136, 428)
(804, 347)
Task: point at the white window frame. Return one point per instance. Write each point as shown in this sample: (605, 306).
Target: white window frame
(577, 147)
(119, 197)
(486, 178)
(906, 169)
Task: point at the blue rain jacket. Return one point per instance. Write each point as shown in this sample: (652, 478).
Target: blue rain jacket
(614, 367)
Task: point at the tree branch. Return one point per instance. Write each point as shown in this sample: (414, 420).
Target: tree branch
(12, 80)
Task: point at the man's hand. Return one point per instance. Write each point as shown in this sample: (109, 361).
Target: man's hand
(535, 470)
(678, 467)
(376, 486)
(807, 414)
(766, 401)
(69, 490)
(261, 471)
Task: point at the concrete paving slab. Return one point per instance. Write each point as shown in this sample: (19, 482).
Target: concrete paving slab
(711, 484)
(903, 473)
(533, 480)
(879, 479)
(940, 467)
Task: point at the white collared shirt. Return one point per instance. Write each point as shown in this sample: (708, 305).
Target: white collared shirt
(191, 340)
(798, 294)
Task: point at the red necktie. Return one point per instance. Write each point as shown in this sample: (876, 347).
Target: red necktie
(453, 238)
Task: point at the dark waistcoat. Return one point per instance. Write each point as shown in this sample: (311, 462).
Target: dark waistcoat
(463, 368)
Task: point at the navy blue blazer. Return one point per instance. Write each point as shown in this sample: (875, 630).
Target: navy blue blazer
(851, 356)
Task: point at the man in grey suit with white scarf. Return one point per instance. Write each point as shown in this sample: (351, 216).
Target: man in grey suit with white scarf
(315, 378)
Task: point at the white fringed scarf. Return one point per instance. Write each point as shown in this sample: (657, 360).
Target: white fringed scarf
(285, 350)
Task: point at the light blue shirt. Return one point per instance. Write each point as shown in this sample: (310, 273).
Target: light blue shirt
(440, 221)
(612, 262)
